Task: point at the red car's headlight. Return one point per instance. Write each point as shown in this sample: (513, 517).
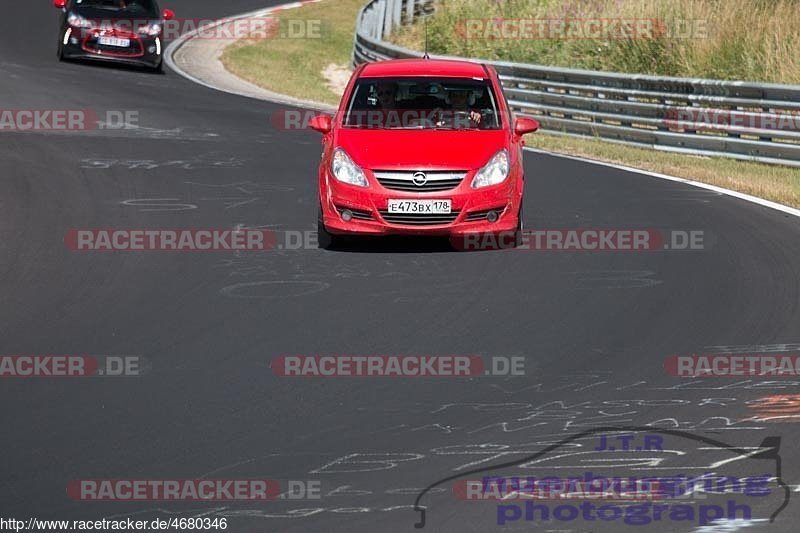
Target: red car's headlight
(346, 171)
(494, 172)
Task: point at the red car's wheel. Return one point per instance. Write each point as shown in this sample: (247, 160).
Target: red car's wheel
(325, 239)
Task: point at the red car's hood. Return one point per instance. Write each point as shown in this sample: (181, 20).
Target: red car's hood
(420, 149)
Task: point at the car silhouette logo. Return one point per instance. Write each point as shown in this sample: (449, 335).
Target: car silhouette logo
(768, 449)
(419, 179)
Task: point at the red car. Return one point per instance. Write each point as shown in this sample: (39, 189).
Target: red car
(421, 147)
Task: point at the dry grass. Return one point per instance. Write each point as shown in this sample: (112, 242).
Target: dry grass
(755, 40)
(295, 66)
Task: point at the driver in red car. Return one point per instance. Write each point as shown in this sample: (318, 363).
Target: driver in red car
(387, 94)
(459, 102)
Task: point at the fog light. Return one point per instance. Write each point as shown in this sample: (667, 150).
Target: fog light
(347, 215)
(73, 40)
(491, 216)
(151, 49)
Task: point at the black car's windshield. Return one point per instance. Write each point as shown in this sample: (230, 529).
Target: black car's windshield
(146, 8)
(423, 103)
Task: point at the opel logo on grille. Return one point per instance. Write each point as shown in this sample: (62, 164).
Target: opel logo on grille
(419, 179)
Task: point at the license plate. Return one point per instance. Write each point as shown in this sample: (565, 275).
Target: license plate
(114, 41)
(433, 207)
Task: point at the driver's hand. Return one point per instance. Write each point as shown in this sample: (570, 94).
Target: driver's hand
(475, 117)
(438, 113)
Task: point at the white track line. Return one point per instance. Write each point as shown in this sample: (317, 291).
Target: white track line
(742, 196)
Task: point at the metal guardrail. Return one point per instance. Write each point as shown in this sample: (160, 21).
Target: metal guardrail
(741, 120)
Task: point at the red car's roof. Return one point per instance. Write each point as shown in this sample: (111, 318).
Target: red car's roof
(424, 67)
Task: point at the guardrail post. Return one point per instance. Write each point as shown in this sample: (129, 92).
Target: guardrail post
(397, 13)
(379, 22)
(387, 17)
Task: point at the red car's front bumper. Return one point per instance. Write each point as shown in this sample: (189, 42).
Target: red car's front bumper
(469, 208)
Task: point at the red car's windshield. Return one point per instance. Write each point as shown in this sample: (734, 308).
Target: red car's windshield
(422, 103)
(144, 7)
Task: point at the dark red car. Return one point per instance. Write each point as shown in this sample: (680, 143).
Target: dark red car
(423, 147)
(119, 31)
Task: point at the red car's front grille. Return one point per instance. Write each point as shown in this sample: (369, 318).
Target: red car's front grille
(428, 181)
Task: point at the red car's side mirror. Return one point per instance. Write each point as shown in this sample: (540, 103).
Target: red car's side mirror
(525, 125)
(60, 4)
(168, 14)
(321, 123)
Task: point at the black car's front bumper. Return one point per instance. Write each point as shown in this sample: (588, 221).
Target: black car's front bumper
(142, 51)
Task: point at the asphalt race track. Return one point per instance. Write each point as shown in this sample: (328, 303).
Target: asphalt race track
(594, 328)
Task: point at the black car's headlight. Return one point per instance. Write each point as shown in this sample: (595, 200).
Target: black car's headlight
(77, 21)
(152, 29)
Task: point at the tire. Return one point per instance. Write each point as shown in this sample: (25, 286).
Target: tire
(518, 235)
(159, 69)
(325, 239)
